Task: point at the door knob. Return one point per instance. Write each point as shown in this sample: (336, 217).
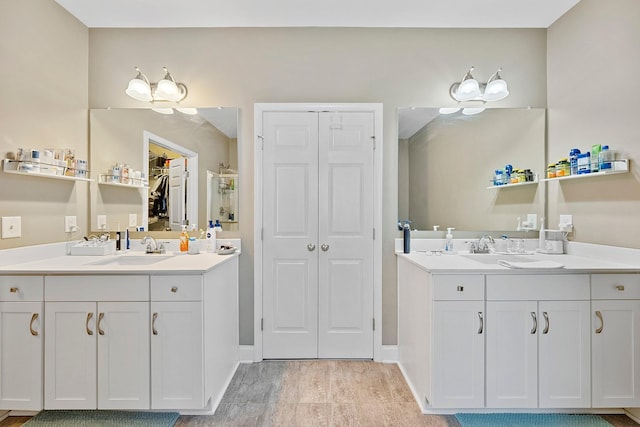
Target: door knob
(311, 247)
(324, 247)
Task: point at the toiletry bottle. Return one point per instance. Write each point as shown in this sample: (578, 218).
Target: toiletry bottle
(217, 226)
(604, 158)
(211, 238)
(126, 239)
(118, 239)
(448, 243)
(573, 160)
(406, 236)
(184, 240)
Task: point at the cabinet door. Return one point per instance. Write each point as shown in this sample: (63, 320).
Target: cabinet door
(458, 365)
(70, 365)
(615, 340)
(123, 355)
(512, 354)
(564, 365)
(21, 356)
(177, 377)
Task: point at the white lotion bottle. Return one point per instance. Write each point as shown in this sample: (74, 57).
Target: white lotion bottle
(211, 238)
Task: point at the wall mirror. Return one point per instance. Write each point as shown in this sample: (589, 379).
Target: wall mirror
(447, 161)
(156, 172)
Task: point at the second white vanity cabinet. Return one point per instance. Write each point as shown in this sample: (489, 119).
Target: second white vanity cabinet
(538, 352)
(615, 340)
(98, 342)
(21, 341)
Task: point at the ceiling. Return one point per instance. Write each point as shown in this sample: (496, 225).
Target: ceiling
(318, 13)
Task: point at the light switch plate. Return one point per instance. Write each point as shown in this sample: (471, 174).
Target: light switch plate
(11, 227)
(133, 220)
(70, 224)
(102, 222)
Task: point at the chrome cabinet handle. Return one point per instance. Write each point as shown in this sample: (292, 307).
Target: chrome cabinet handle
(535, 323)
(34, 317)
(324, 247)
(481, 318)
(546, 322)
(100, 317)
(599, 316)
(174, 289)
(311, 247)
(14, 290)
(153, 324)
(620, 288)
(89, 317)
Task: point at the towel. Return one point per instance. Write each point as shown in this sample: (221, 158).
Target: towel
(533, 265)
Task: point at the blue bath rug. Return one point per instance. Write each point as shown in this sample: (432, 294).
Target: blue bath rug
(102, 419)
(530, 420)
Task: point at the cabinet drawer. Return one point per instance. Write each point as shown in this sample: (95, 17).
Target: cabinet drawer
(176, 288)
(96, 288)
(549, 287)
(615, 286)
(458, 287)
(21, 288)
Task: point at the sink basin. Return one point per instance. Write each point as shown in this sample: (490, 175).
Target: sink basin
(131, 260)
(494, 258)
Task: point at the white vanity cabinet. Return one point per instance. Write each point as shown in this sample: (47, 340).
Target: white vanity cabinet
(194, 337)
(537, 338)
(98, 346)
(21, 340)
(615, 340)
(441, 336)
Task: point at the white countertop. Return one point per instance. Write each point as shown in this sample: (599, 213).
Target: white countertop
(47, 259)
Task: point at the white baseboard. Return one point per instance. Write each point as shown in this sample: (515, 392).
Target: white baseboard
(389, 354)
(246, 354)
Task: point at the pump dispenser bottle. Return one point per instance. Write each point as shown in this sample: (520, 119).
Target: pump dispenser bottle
(448, 242)
(211, 238)
(406, 236)
(184, 240)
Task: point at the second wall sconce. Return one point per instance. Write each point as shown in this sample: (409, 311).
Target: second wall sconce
(165, 90)
(469, 89)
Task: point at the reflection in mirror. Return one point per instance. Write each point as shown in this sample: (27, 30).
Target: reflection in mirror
(172, 158)
(446, 163)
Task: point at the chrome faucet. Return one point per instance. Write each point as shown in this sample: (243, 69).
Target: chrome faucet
(485, 244)
(152, 245)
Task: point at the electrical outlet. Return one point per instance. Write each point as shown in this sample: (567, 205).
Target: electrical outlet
(102, 222)
(133, 220)
(70, 224)
(11, 227)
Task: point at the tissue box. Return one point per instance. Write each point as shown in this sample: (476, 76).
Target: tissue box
(94, 248)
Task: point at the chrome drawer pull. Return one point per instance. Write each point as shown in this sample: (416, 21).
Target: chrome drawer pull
(460, 288)
(599, 316)
(481, 328)
(535, 323)
(546, 324)
(89, 317)
(14, 290)
(34, 317)
(174, 289)
(620, 287)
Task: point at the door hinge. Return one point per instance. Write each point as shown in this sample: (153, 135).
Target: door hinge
(373, 138)
(374, 323)
(261, 143)
(262, 324)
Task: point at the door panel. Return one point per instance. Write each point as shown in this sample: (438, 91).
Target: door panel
(290, 192)
(345, 233)
(177, 192)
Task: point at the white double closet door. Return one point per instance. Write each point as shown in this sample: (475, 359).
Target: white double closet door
(318, 242)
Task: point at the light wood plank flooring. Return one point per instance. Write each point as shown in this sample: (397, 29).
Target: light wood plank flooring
(319, 393)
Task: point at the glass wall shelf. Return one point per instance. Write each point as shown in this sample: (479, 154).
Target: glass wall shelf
(43, 170)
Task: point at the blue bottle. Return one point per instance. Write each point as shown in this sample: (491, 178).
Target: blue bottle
(573, 160)
(406, 236)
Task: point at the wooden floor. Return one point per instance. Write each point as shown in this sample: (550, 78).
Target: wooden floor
(319, 393)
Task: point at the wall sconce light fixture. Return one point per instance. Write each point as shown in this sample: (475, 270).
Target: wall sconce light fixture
(165, 90)
(469, 89)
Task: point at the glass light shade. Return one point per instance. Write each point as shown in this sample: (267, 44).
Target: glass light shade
(187, 110)
(163, 110)
(167, 90)
(139, 89)
(448, 110)
(467, 89)
(470, 111)
(495, 90)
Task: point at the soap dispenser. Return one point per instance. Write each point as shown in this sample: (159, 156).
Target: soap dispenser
(448, 243)
(406, 236)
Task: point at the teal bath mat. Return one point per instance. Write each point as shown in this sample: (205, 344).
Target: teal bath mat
(530, 420)
(102, 419)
